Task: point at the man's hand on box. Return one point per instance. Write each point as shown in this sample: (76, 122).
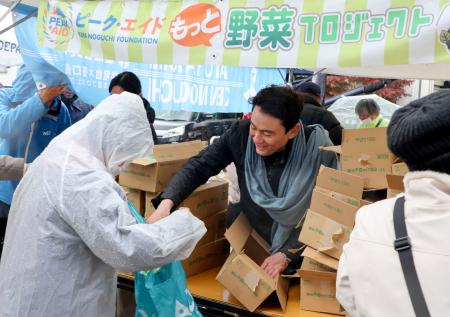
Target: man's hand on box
(162, 211)
(275, 264)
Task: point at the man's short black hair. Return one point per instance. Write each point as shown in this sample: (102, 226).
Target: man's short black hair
(128, 81)
(280, 102)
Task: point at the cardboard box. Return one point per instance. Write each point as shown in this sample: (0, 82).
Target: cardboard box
(349, 185)
(347, 199)
(137, 197)
(154, 173)
(316, 261)
(365, 152)
(242, 274)
(340, 185)
(333, 208)
(400, 169)
(318, 283)
(206, 257)
(205, 201)
(215, 225)
(324, 234)
(395, 185)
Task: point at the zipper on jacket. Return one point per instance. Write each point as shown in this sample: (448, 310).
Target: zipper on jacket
(29, 142)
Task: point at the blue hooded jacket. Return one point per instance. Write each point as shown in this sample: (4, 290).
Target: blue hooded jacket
(26, 128)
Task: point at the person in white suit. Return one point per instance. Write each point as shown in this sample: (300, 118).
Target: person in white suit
(70, 228)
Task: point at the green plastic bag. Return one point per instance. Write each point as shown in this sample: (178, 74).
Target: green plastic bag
(162, 292)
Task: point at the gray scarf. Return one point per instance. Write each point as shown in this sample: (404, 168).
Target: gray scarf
(288, 206)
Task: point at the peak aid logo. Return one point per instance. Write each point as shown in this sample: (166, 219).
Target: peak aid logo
(58, 25)
(196, 25)
(443, 27)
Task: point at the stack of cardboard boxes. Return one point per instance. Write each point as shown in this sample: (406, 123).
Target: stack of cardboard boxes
(327, 225)
(145, 178)
(365, 162)
(366, 166)
(326, 228)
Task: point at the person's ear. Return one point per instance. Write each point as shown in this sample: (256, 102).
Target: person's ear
(292, 133)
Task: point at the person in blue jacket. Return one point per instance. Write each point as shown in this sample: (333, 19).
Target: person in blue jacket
(29, 120)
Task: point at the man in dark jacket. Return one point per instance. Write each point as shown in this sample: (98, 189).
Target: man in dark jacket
(277, 160)
(314, 113)
(78, 109)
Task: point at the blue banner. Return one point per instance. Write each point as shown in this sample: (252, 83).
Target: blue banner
(200, 88)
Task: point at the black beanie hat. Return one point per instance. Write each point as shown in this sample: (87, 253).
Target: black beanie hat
(419, 133)
(309, 88)
(128, 81)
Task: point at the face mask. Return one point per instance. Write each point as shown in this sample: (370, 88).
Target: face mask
(366, 121)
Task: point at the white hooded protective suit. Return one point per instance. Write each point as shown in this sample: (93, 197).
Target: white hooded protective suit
(70, 229)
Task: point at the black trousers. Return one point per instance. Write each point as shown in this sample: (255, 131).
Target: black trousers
(3, 222)
(4, 210)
